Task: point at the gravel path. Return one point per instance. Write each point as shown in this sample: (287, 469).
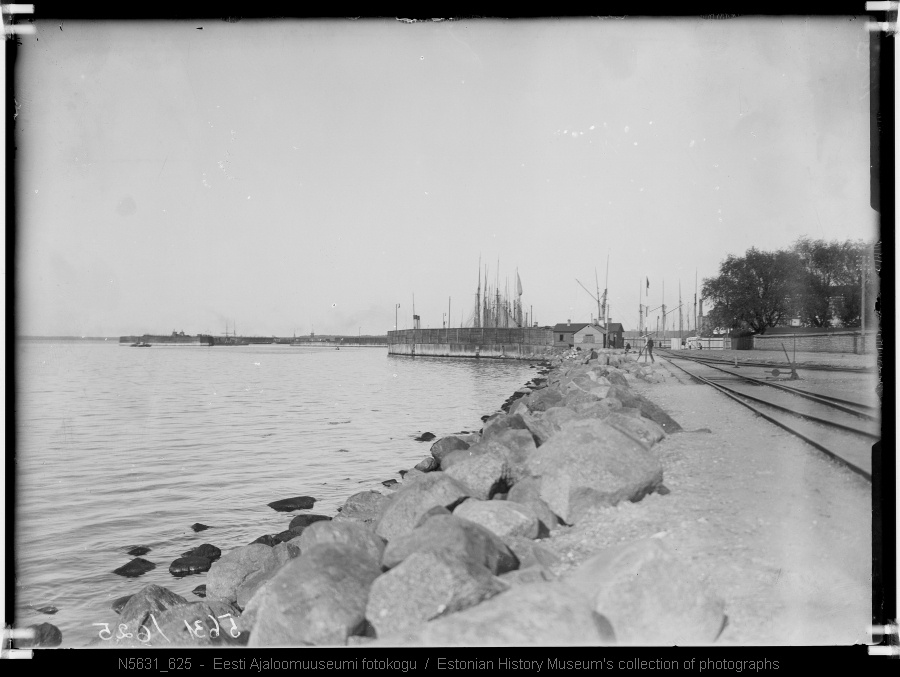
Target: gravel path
(776, 529)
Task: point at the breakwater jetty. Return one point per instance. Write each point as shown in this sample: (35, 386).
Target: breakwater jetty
(460, 551)
(517, 343)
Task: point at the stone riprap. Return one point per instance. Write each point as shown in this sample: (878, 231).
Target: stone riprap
(452, 555)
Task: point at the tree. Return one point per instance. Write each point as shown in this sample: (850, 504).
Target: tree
(755, 290)
(830, 281)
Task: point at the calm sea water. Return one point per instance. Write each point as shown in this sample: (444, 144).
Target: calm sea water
(118, 447)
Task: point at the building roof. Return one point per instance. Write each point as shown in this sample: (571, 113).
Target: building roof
(615, 326)
(572, 328)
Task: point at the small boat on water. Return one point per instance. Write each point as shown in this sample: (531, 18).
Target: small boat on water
(141, 344)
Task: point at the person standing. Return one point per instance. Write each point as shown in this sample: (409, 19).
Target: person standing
(649, 349)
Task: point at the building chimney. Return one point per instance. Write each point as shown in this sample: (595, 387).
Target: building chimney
(568, 323)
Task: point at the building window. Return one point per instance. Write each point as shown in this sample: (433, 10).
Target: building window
(561, 337)
(588, 338)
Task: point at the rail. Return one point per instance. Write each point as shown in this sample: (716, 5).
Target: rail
(839, 404)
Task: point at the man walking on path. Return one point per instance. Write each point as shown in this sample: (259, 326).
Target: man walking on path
(649, 349)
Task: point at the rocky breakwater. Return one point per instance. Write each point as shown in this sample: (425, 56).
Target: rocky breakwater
(460, 553)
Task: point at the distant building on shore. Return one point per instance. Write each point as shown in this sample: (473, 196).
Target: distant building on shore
(614, 335)
(576, 333)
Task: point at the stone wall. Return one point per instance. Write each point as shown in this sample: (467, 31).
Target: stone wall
(835, 342)
(514, 351)
(510, 343)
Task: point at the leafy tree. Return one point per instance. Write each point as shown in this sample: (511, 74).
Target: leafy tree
(753, 291)
(830, 281)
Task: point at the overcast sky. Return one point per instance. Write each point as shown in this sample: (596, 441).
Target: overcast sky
(292, 176)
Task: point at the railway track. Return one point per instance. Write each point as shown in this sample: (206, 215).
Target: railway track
(843, 429)
(776, 365)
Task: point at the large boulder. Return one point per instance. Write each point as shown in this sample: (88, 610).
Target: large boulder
(412, 501)
(543, 399)
(520, 406)
(425, 585)
(540, 431)
(207, 624)
(527, 576)
(503, 518)
(465, 539)
(649, 596)
(613, 375)
(528, 492)
(185, 566)
(599, 409)
(365, 507)
(151, 599)
(543, 425)
(576, 397)
(207, 550)
(513, 446)
(119, 603)
(641, 429)
(531, 554)
(347, 533)
(411, 475)
(318, 598)
(291, 504)
(483, 474)
(227, 575)
(43, 635)
(629, 398)
(500, 422)
(450, 459)
(539, 614)
(136, 567)
(445, 445)
(431, 512)
(258, 579)
(590, 464)
(427, 464)
(300, 522)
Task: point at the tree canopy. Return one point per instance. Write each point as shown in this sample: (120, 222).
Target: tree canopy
(815, 280)
(753, 290)
(831, 281)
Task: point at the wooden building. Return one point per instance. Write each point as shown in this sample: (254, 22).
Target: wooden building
(578, 333)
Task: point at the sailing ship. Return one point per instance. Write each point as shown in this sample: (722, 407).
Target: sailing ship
(495, 308)
(231, 340)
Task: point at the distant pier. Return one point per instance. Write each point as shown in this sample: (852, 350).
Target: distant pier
(517, 343)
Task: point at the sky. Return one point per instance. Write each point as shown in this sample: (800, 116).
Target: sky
(291, 176)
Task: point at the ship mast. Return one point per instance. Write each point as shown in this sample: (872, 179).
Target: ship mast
(478, 297)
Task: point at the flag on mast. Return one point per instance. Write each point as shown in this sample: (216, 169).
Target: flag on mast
(518, 283)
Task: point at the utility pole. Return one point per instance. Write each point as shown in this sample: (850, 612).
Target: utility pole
(663, 309)
(696, 321)
(478, 297)
(605, 294)
(640, 307)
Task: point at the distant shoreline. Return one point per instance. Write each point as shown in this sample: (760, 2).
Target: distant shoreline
(311, 344)
(67, 338)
